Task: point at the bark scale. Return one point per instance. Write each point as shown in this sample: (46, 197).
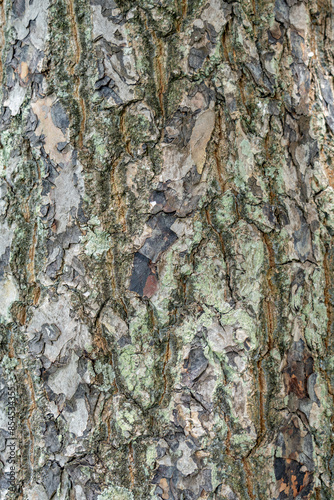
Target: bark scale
(167, 219)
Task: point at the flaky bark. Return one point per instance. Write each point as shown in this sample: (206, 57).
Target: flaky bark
(167, 218)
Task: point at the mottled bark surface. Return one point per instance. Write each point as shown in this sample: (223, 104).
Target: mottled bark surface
(167, 268)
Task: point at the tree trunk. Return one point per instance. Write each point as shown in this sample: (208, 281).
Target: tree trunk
(167, 268)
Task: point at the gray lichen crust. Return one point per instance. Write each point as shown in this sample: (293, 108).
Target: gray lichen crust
(166, 249)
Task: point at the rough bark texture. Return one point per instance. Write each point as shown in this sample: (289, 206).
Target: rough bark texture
(167, 268)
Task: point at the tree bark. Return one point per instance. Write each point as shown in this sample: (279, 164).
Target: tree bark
(166, 256)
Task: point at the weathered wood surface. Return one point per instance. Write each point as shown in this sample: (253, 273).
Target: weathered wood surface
(167, 219)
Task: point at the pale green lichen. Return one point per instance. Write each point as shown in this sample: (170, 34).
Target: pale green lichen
(191, 326)
(250, 267)
(241, 318)
(167, 284)
(115, 492)
(9, 364)
(108, 375)
(126, 418)
(242, 441)
(223, 213)
(96, 242)
(139, 327)
(138, 371)
(151, 455)
(207, 290)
